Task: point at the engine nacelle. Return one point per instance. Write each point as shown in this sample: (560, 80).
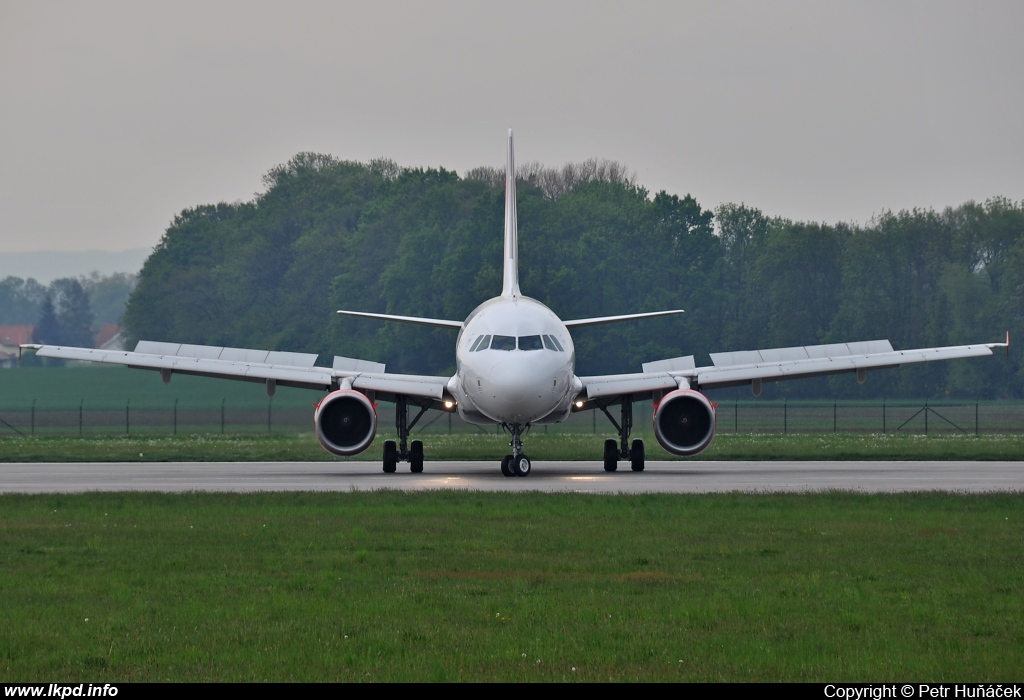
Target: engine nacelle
(346, 422)
(684, 422)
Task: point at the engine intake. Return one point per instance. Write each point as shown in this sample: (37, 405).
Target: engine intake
(684, 422)
(346, 422)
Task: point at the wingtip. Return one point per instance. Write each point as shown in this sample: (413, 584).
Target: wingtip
(27, 346)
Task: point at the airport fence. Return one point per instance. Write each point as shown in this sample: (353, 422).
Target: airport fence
(733, 416)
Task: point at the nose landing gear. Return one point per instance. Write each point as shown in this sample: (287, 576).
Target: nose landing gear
(517, 463)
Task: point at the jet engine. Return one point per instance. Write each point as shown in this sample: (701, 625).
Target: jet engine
(684, 422)
(346, 422)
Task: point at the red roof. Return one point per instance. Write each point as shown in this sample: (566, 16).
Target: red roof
(13, 336)
(108, 331)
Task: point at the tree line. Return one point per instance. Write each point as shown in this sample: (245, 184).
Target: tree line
(67, 311)
(328, 234)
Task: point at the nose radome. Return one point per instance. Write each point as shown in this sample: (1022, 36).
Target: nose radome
(514, 383)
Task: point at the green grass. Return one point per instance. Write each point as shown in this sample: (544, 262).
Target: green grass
(445, 586)
(540, 446)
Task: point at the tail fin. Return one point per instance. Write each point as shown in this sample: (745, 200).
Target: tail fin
(510, 279)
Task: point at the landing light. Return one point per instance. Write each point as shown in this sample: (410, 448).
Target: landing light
(449, 404)
(579, 404)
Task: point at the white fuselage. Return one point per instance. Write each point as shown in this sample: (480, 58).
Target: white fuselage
(515, 362)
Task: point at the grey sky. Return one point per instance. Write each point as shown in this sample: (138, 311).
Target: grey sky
(116, 115)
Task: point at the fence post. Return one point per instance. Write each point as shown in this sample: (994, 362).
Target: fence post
(270, 403)
(127, 424)
(33, 418)
(883, 416)
(222, 416)
(835, 408)
(926, 416)
(735, 415)
(785, 416)
(175, 416)
(80, 417)
(449, 423)
(975, 418)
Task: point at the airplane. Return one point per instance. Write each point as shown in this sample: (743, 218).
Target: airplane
(515, 367)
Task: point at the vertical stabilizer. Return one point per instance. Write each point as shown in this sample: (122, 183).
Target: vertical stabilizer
(510, 279)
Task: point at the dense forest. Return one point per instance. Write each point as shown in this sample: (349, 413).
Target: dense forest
(328, 234)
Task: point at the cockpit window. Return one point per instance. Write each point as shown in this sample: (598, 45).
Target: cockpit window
(503, 342)
(530, 342)
(481, 343)
(551, 342)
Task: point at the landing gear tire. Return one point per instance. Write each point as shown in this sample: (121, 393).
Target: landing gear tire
(636, 456)
(521, 465)
(611, 455)
(390, 456)
(506, 465)
(416, 457)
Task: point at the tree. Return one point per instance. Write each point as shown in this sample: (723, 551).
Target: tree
(20, 300)
(108, 294)
(74, 313)
(48, 327)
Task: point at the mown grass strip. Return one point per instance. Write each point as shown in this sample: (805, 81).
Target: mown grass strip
(445, 586)
(540, 446)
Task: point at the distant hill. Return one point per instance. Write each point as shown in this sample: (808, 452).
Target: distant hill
(46, 266)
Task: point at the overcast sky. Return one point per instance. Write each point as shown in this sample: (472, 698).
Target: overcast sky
(118, 114)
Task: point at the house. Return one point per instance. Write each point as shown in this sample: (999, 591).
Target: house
(10, 338)
(109, 337)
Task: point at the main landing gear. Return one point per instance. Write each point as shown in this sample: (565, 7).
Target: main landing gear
(613, 452)
(403, 451)
(517, 463)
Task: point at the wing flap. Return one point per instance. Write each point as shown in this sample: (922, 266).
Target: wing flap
(348, 364)
(675, 364)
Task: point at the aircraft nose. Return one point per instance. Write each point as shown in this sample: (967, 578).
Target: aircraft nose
(518, 392)
(514, 384)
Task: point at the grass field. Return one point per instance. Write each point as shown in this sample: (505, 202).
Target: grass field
(540, 446)
(444, 586)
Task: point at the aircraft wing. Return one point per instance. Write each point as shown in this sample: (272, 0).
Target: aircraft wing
(756, 366)
(272, 368)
